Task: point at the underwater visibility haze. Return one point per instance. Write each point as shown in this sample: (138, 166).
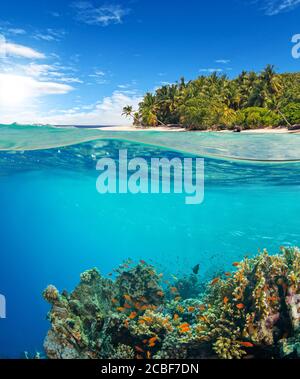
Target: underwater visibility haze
(55, 225)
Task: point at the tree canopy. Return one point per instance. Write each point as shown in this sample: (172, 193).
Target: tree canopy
(251, 100)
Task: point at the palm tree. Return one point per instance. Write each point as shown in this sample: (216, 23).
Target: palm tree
(129, 112)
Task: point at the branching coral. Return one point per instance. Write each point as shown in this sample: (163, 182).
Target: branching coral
(253, 311)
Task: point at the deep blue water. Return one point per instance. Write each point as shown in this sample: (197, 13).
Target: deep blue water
(54, 225)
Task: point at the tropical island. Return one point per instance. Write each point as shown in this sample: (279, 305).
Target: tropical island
(215, 102)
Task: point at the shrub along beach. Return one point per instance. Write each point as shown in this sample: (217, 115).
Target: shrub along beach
(250, 101)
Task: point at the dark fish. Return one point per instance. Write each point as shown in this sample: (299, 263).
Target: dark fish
(196, 269)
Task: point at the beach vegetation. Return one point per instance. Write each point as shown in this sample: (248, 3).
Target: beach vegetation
(251, 100)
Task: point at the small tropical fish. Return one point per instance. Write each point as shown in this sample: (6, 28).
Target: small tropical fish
(153, 339)
(160, 294)
(196, 269)
(127, 306)
(215, 281)
(139, 349)
(227, 274)
(246, 344)
(120, 309)
(191, 309)
(273, 298)
(126, 324)
(145, 342)
(235, 264)
(177, 298)
(174, 277)
(160, 275)
(204, 319)
(185, 325)
(176, 317)
(114, 300)
(144, 307)
(174, 289)
(127, 297)
(143, 262)
(240, 306)
(143, 299)
(202, 308)
(225, 300)
(132, 315)
(180, 309)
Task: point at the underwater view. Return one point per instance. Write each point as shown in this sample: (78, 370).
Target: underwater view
(153, 272)
(149, 185)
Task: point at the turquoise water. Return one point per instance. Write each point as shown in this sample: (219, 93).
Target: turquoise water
(54, 224)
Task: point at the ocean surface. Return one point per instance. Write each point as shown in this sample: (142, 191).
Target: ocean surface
(55, 225)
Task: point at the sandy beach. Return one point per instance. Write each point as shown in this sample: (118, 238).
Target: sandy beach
(129, 128)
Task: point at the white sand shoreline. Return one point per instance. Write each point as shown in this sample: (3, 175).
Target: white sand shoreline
(128, 128)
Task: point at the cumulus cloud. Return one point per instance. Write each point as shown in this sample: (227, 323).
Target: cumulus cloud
(31, 86)
(105, 112)
(15, 50)
(102, 15)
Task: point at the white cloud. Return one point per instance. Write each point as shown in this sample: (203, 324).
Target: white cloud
(99, 15)
(211, 70)
(105, 112)
(15, 50)
(274, 7)
(223, 61)
(16, 31)
(32, 87)
(50, 35)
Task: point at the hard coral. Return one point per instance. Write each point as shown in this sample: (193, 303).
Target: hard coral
(253, 312)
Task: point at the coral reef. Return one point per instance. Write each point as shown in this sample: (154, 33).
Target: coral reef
(253, 312)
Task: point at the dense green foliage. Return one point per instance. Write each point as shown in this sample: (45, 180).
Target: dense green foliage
(251, 100)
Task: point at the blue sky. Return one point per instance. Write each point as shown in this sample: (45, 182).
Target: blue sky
(80, 62)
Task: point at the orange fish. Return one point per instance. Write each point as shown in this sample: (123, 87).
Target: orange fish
(202, 308)
(143, 299)
(145, 341)
(235, 264)
(273, 298)
(160, 294)
(114, 301)
(185, 325)
(204, 319)
(139, 349)
(144, 307)
(176, 317)
(127, 297)
(160, 275)
(246, 344)
(151, 344)
(240, 306)
(180, 309)
(227, 274)
(215, 281)
(126, 324)
(191, 309)
(225, 300)
(120, 309)
(127, 306)
(173, 289)
(132, 315)
(153, 340)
